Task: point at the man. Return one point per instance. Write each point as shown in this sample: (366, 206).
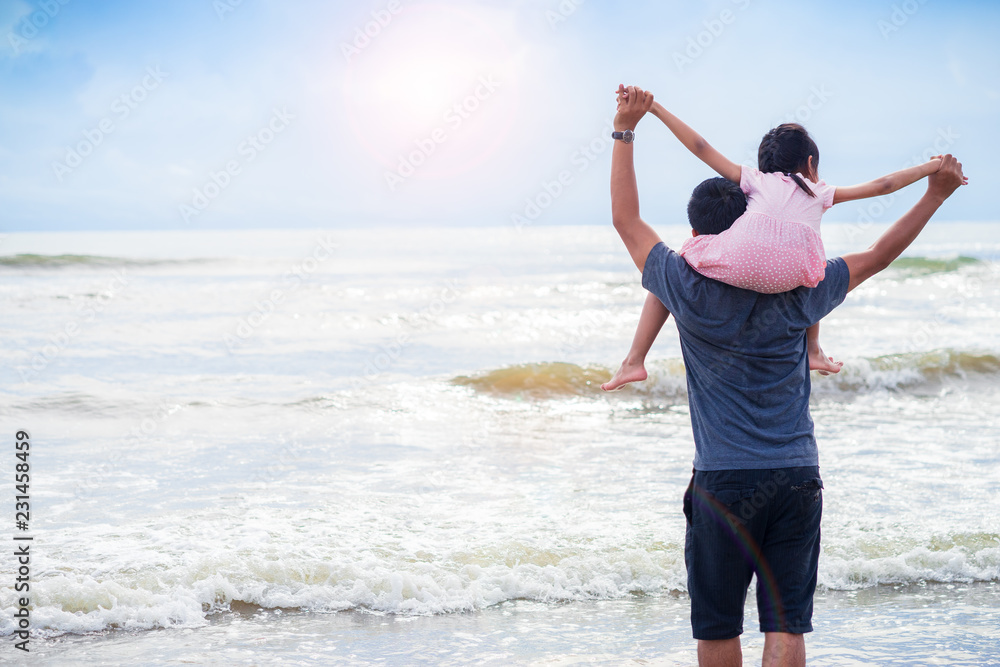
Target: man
(755, 499)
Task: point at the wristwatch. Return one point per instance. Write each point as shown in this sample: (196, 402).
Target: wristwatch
(628, 136)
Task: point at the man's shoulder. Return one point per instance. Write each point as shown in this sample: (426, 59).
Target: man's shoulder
(664, 259)
(665, 264)
(687, 293)
(835, 280)
(667, 269)
(837, 264)
(816, 302)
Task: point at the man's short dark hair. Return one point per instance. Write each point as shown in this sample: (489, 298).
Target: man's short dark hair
(715, 204)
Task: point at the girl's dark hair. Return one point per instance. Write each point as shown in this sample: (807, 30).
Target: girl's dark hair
(786, 149)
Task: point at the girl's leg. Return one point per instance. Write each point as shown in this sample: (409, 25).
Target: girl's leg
(654, 314)
(818, 361)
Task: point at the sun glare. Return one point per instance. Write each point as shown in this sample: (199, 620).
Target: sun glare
(436, 80)
(415, 88)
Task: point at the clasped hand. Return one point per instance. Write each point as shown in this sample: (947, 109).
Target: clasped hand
(633, 103)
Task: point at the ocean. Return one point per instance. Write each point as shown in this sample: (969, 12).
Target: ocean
(389, 445)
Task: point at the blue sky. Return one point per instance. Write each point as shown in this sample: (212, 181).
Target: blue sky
(202, 114)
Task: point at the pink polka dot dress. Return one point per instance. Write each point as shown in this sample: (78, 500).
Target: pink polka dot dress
(775, 245)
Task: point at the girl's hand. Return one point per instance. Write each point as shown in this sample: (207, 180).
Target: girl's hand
(940, 160)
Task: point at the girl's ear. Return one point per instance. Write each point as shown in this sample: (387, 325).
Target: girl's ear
(812, 175)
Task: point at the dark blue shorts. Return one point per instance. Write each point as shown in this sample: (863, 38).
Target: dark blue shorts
(742, 522)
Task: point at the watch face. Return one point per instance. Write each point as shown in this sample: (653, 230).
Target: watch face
(628, 136)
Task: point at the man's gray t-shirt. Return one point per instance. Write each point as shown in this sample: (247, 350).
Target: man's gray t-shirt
(747, 368)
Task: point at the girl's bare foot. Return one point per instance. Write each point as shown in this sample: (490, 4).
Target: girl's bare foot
(628, 372)
(818, 361)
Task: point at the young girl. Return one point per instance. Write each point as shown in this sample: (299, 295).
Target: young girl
(775, 245)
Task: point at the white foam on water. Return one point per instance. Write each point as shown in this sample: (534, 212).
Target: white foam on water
(183, 594)
(163, 577)
(914, 566)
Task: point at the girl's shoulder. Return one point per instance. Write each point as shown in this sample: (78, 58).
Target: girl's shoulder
(824, 192)
(770, 188)
(755, 180)
(750, 178)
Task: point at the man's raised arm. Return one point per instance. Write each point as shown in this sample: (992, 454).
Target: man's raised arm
(639, 237)
(889, 246)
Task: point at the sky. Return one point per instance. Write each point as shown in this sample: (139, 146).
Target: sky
(227, 114)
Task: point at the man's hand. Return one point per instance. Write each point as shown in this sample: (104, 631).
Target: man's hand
(633, 103)
(942, 183)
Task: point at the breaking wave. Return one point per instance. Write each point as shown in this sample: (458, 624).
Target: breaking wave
(917, 372)
(918, 266)
(33, 261)
(160, 591)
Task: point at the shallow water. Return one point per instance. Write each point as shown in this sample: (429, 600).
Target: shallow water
(929, 624)
(410, 433)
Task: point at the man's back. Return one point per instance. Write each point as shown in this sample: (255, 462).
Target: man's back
(745, 354)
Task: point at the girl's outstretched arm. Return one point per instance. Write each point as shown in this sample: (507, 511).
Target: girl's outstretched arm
(887, 184)
(697, 145)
